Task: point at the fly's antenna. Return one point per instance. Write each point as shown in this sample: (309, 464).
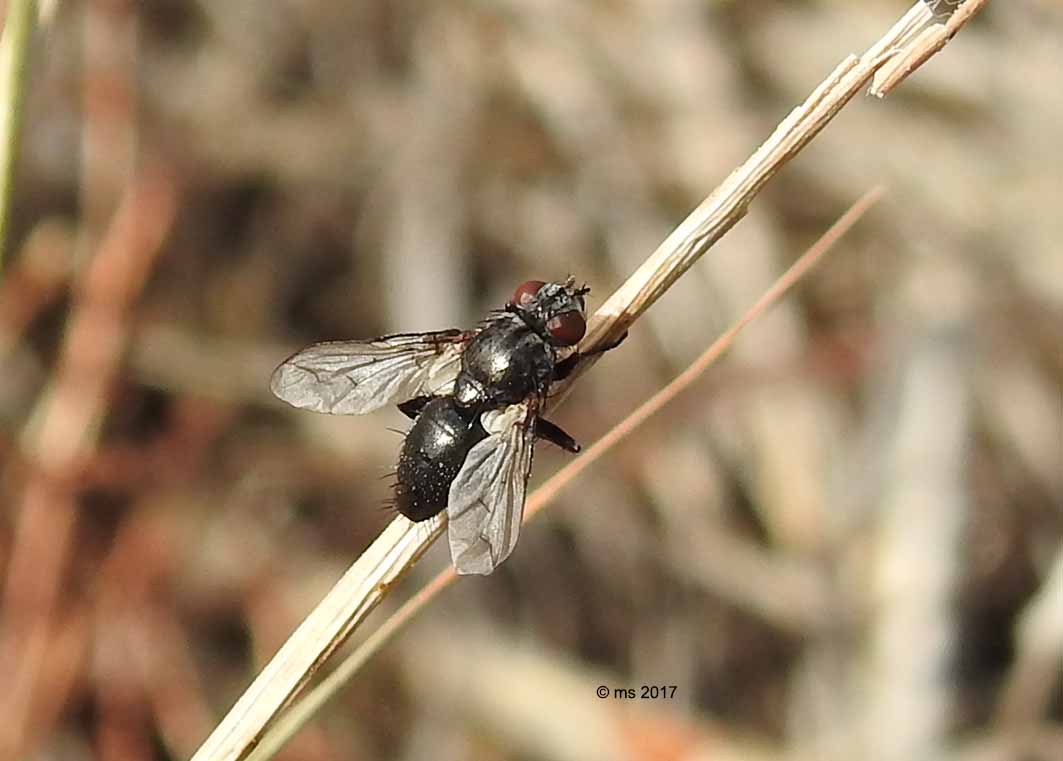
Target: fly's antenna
(570, 284)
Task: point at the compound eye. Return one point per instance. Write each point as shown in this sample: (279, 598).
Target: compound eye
(526, 292)
(568, 328)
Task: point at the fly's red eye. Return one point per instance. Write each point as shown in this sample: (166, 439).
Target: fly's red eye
(568, 328)
(526, 292)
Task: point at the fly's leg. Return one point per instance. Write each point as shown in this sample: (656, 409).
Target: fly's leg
(567, 365)
(412, 407)
(544, 429)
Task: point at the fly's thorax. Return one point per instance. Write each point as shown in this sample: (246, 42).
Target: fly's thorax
(505, 363)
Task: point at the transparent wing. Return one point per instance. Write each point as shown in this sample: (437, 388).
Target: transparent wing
(354, 377)
(486, 500)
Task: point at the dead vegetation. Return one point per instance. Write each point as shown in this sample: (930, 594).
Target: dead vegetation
(845, 543)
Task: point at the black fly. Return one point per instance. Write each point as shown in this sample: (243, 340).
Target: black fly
(475, 397)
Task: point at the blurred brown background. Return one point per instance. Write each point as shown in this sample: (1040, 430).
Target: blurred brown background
(844, 544)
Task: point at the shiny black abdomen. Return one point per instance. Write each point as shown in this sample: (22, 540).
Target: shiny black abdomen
(506, 363)
(432, 455)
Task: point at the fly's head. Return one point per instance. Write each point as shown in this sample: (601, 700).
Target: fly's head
(556, 311)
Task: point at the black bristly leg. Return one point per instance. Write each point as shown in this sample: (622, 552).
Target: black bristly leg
(544, 429)
(412, 407)
(568, 364)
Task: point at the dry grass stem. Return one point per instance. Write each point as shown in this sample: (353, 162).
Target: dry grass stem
(20, 20)
(305, 707)
(922, 41)
(244, 726)
(353, 597)
(729, 202)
